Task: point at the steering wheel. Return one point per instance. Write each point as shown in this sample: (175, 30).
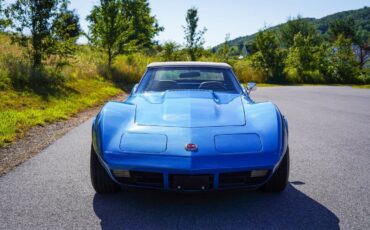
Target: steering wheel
(212, 85)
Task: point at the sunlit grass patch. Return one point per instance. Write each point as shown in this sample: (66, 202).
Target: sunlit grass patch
(20, 111)
(362, 86)
(267, 85)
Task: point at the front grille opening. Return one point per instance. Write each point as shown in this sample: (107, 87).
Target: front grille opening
(239, 179)
(147, 179)
(191, 182)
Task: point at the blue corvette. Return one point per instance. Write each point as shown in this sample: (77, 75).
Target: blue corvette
(189, 126)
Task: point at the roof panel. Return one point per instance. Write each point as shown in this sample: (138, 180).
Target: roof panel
(188, 64)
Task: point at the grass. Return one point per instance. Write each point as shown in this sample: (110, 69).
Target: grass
(267, 85)
(362, 86)
(26, 102)
(19, 111)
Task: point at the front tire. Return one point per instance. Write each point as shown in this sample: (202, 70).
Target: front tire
(100, 179)
(279, 180)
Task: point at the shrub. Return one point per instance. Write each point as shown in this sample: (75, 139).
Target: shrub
(130, 68)
(364, 77)
(19, 70)
(246, 73)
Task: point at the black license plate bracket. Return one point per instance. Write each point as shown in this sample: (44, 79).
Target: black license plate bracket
(191, 182)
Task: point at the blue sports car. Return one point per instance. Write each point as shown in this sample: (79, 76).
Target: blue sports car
(189, 126)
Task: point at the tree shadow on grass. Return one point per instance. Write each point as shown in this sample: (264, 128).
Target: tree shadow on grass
(138, 209)
(43, 84)
(45, 81)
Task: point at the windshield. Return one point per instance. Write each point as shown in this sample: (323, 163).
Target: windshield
(189, 78)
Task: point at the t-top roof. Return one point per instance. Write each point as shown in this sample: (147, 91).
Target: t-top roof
(189, 64)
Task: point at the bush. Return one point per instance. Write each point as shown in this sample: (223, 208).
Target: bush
(246, 73)
(19, 70)
(5, 79)
(130, 68)
(292, 75)
(364, 77)
(313, 76)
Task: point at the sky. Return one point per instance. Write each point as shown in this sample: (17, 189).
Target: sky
(234, 17)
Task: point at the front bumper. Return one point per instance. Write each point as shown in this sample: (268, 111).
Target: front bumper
(192, 173)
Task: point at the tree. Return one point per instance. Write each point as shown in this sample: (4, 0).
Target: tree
(33, 15)
(65, 32)
(66, 24)
(121, 26)
(145, 26)
(109, 29)
(250, 47)
(170, 50)
(300, 64)
(32, 23)
(269, 57)
(359, 38)
(225, 52)
(344, 27)
(342, 62)
(293, 27)
(322, 58)
(194, 38)
(362, 47)
(240, 48)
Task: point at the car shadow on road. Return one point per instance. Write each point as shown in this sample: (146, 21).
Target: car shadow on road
(137, 209)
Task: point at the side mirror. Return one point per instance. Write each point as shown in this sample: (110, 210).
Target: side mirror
(134, 88)
(251, 86)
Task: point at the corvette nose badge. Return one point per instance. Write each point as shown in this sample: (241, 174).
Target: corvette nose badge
(191, 147)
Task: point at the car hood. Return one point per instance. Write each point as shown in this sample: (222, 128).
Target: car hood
(189, 109)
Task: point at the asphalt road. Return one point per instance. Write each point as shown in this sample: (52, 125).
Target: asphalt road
(329, 183)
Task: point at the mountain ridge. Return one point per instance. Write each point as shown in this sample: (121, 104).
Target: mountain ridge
(361, 17)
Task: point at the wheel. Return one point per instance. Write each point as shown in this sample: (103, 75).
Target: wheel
(100, 179)
(279, 180)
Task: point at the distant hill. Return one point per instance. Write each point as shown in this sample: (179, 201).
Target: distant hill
(361, 17)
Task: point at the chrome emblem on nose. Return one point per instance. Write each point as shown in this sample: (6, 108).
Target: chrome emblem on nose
(191, 147)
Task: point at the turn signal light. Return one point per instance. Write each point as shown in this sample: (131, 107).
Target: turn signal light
(259, 173)
(121, 173)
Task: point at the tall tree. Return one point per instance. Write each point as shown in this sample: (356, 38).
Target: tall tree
(34, 16)
(32, 23)
(300, 64)
(194, 38)
(65, 32)
(225, 51)
(119, 26)
(342, 62)
(294, 26)
(269, 57)
(109, 29)
(145, 25)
